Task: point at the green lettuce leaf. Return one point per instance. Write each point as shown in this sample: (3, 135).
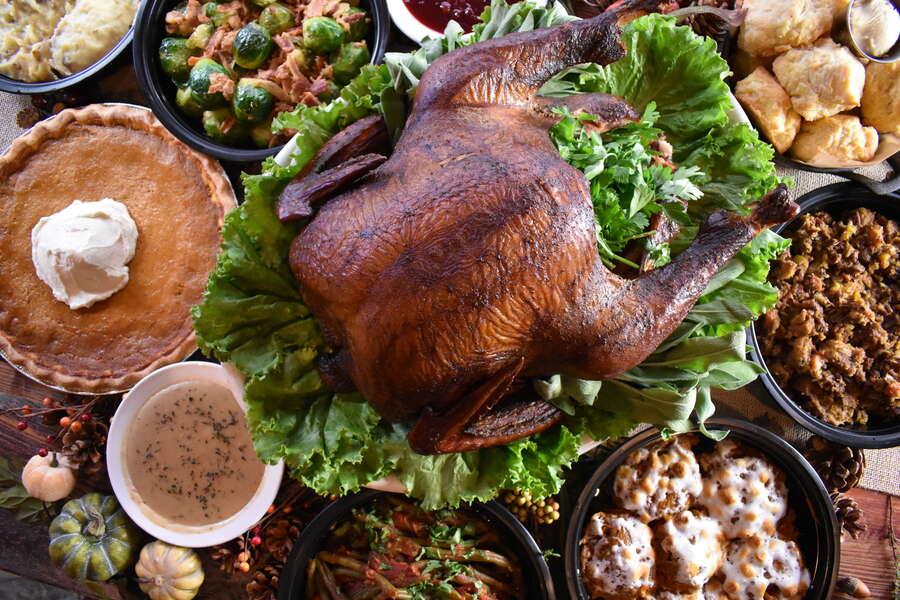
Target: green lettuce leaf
(683, 75)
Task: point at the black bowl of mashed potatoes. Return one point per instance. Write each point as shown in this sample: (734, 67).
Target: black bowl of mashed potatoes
(694, 518)
(829, 346)
(52, 45)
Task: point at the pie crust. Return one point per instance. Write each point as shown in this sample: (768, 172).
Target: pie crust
(178, 199)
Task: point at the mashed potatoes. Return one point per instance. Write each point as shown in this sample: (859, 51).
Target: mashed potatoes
(88, 31)
(841, 137)
(881, 98)
(775, 26)
(822, 80)
(770, 107)
(25, 30)
(41, 40)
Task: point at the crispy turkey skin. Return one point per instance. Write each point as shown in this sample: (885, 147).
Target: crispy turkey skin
(467, 262)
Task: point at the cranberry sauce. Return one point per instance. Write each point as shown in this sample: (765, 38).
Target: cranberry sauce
(435, 14)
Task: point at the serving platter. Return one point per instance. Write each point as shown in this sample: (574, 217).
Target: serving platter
(547, 537)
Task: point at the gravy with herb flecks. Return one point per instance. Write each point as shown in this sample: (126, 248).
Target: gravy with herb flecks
(189, 458)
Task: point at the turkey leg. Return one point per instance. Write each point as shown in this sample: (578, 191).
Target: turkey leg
(651, 306)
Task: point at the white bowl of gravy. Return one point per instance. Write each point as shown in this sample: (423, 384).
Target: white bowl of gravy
(181, 461)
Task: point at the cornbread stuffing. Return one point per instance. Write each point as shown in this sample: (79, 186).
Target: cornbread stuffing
(833, 339)
(730, 542)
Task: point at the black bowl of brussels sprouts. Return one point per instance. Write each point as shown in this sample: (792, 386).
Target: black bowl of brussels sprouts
(216, 80)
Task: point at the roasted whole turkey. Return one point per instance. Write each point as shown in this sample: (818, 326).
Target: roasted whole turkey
(445, 277)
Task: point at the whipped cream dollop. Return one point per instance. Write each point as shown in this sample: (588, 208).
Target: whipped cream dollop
(876, 26)
(82, 252)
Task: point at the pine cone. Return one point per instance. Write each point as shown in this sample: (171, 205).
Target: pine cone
(849, 514)
(85, 449)
(841, 468)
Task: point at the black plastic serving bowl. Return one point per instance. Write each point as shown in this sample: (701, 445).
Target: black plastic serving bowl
(536, 574)
(159, 90)
(834, 199)
(819, 536)
(7, 84)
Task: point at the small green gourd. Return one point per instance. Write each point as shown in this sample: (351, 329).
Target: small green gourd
(92, 538)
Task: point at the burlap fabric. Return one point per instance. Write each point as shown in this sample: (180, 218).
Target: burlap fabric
(752, 402)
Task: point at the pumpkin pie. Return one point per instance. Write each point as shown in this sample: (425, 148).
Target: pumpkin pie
(177, 197)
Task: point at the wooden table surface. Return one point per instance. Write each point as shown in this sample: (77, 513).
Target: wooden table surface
(868, 558)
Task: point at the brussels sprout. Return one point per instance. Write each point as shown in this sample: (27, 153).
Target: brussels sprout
(185, 102)
(330, 93)
(215, 120)
(301, 58)
(173, 58)
(219, 18)
(251, 103)
(199, 83)
(252, 46)
(276, 18)
(358, 29)
(322, 34)
(262, 134)
(200, 37)
(210, 9)
(264, 3)
(349, 60)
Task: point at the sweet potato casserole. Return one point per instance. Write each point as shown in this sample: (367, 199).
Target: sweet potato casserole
(832, 341)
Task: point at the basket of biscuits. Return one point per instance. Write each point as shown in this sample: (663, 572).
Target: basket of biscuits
(821, 80)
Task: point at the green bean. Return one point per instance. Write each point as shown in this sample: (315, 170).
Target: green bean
(494, 584)
(475, 555)
(321, 590)
(386, 586)
(331, 584)
(343, 572)
(365, 593)
(310, 581)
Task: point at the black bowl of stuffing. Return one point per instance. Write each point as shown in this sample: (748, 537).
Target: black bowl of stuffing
(831, 345)
(217, 73)
(692, 518)
(377, 544)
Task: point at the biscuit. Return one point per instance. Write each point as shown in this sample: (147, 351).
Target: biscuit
(659, 480)
(771, 27)
(770, 106)
(841, 137)
(881, 97)
(822, 80)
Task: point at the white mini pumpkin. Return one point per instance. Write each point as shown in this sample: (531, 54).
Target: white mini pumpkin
(48, 478)
(167, 572)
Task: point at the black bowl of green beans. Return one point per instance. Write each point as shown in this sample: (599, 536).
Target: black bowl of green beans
(378, 544)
